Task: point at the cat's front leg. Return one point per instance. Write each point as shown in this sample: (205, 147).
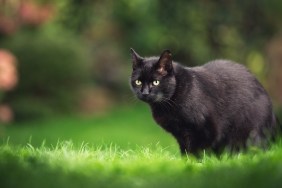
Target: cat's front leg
(183, 149)
(184, 143)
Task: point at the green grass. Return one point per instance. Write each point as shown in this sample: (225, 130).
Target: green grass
(122, 149)
(127, 127)
(66, 166)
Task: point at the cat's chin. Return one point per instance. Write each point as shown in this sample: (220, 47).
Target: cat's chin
(152, 98)
(147, 99)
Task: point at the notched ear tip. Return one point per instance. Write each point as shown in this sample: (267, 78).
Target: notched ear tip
(164, 65)
(166, 55)
(167, 52)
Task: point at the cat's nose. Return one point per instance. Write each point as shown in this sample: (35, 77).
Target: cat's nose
(145, 94)
(145, 91)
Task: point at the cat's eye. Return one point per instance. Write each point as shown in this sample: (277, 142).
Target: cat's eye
(138, 82)
(156, 82)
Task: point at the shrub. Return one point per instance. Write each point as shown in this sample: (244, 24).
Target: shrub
(52, 67)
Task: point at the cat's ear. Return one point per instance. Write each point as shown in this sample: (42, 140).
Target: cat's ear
(136, 59)
(164, 65)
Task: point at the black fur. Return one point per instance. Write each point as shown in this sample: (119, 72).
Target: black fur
(219, 105)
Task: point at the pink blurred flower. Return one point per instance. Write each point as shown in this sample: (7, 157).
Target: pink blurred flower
(6, 114)
(33, 14)
(7, 25)
(23, 12)
(8, 71)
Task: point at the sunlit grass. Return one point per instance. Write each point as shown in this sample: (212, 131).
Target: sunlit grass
(122, 149)
(65, 165)
(125, 127)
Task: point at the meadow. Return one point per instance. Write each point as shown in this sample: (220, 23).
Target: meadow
(123, 148)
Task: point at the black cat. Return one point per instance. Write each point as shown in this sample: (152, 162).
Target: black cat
(219, 105)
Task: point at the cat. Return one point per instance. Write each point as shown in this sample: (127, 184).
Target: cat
(217, 106)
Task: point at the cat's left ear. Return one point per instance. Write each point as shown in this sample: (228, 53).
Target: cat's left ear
(136, 59)
(164, 65)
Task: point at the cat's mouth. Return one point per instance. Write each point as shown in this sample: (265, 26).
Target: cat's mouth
(151, 98)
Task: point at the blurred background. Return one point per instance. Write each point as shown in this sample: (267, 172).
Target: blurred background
(69, 57)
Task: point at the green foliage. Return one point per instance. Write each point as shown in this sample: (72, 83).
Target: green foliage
(52, 67)
(197, 31)
(75, 15)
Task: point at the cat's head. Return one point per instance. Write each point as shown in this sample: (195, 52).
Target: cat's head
(152, 78)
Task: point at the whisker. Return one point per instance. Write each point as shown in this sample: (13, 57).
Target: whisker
(165, 107)
(170, 102)
(131, 98)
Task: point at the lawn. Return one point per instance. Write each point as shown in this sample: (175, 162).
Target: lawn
(126, 127)
(124, 148)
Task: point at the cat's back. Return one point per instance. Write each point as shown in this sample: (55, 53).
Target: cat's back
(233, 85)
(226, 72)
(226, 68)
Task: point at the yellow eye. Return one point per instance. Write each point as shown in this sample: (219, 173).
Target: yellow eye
(138, 82)
(156, 82)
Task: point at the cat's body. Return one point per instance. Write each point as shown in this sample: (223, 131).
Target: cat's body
(215, 106)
